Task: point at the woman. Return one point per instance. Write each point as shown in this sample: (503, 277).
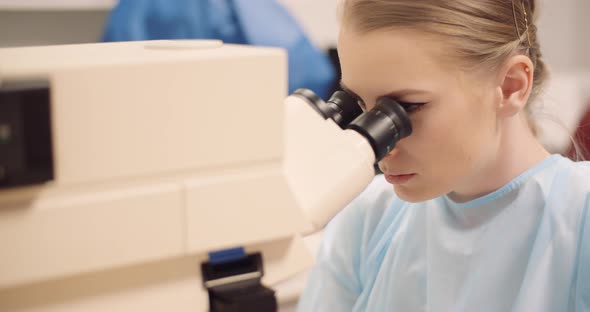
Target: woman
(480, 216)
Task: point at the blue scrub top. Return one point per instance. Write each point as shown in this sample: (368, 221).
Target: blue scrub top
(524, 247)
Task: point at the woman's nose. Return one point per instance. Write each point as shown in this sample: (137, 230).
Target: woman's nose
(383, 163)
(393, 153)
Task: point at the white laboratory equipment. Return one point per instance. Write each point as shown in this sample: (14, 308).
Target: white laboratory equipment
(169, 175)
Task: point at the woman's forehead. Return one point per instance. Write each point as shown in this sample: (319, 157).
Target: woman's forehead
(394, 47)
(390, 58)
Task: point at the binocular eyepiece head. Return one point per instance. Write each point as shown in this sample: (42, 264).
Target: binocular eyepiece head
(383, 126)
(342, 108)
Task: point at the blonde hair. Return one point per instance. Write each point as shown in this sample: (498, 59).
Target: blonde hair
(482, 33)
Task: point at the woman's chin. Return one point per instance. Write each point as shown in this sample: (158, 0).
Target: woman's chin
(414, 194)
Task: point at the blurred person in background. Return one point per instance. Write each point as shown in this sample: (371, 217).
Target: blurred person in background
(254, 22)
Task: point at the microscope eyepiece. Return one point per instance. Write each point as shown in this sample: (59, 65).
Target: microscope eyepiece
(342, 108)
(383, 126)
(314, 101)
(345, 108)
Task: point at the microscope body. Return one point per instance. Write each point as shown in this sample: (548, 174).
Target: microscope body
(161, 152)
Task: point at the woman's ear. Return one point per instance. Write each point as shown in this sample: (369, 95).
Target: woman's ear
(516, 82)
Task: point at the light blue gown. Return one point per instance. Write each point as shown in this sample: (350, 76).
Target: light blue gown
(522, 248)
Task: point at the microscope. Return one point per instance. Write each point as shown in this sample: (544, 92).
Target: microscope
(170, 175)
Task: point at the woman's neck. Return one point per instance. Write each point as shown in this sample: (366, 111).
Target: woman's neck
(517, 151)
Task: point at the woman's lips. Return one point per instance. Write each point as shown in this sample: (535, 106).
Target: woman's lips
(399, 179)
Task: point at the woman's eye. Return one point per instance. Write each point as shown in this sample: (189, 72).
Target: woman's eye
(411, 107)
(361, 104)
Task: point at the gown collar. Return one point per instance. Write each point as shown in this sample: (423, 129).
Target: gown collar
(507, 188)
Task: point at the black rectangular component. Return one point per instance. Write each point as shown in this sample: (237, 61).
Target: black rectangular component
(26, 149)
(235, 285)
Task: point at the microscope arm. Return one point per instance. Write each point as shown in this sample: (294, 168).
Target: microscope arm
(326, 167)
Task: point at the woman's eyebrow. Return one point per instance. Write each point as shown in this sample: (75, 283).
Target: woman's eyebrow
(405, 92)
(394, 94)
